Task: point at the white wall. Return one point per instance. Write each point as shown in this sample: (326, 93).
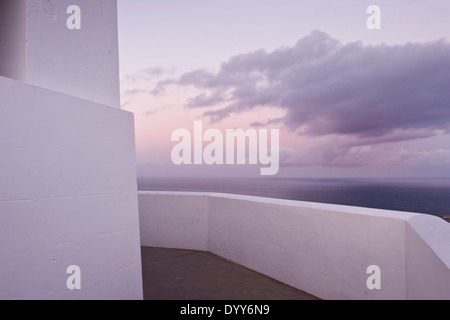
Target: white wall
(428, 258)
(83, 63)
(13, 39)
(68, 196)
(180, 224)
(319, 248)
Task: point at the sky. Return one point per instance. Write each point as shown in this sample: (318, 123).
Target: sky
(348, 101)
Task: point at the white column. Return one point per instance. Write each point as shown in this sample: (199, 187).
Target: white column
(13, 39)
(70, 46)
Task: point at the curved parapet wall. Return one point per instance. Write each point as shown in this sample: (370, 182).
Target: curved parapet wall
(428, 258)
(322, 249)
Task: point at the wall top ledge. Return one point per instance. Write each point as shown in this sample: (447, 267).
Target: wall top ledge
(435, 232)
(10, 86)
(293, 203)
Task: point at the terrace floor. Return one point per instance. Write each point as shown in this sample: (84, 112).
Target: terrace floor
(171, 274)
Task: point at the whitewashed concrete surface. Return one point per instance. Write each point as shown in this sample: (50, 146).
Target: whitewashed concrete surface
(180, 222)
(428, 258)
(13, 39)
(322, 249)
(68, 196)
(37, 47)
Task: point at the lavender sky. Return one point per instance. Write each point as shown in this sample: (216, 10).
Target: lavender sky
(348, 101)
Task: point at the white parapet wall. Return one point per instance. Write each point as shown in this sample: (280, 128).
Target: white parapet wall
(322, 249)
(68, 196)
(13, 39)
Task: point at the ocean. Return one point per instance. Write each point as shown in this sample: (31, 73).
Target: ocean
(427, 196)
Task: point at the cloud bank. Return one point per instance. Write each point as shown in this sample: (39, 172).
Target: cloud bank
(327, 87)
(351, 99)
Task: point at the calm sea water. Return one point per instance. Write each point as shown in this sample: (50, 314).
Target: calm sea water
(429, 196)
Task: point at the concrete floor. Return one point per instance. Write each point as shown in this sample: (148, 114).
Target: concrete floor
(170, 274)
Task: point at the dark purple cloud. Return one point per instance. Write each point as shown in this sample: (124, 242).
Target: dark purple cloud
(146, 74)
(326, 87)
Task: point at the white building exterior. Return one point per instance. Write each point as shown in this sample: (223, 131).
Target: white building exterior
(68, 193)
(38, 47)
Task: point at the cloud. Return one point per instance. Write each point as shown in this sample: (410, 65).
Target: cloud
(436, 158)
(353, 105)
(147, 78)
(146, 74)
(125, 105)
(328, 151)
(347, 152)
(133, 92)
(266, 123)
(326, 87)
